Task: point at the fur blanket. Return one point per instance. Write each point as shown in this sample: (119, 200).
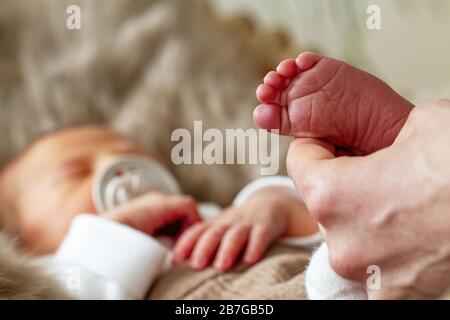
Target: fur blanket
(22, 278)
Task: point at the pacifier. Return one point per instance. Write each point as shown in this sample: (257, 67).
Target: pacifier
(126, 177)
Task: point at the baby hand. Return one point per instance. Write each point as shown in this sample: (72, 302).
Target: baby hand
(249, 228)
(156, 213)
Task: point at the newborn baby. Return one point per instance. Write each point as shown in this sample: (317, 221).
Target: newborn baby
(300, 99)
(100, 211)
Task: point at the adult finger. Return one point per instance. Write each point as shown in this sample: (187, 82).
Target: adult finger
(319, 176)
(305, 159)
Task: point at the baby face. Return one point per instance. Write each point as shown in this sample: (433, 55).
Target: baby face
(51, 182)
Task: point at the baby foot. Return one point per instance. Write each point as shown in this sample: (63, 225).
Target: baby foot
(319, 97)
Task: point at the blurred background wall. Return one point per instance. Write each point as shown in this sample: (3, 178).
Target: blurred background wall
(411, 52)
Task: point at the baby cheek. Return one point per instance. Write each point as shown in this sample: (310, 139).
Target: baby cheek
(79, 201)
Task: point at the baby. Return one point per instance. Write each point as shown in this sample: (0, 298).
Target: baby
(300, 99)
(103, 212)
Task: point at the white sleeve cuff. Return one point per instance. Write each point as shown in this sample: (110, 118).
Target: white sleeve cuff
(308, 242)
(113, 251)
(278, 181)
(261, 183)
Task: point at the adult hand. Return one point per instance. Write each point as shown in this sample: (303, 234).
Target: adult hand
(390, 208)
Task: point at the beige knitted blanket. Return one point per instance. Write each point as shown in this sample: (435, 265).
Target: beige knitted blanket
(278, 277)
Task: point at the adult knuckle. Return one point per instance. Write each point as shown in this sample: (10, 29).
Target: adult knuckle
(341, 264)
(320, 200)
(346, 263)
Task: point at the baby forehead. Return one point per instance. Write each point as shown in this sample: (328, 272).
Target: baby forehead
(84, 134)
(72, 142)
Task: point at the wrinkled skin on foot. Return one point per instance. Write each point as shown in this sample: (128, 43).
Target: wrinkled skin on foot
(319, 97)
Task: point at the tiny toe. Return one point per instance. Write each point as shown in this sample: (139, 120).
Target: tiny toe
(287, 68)
(307, 60)
(268, 116)
(266, 93)
(275, 80)
(272, 117)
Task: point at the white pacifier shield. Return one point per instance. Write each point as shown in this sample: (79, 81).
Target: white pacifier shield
(127, 177)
